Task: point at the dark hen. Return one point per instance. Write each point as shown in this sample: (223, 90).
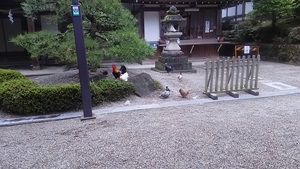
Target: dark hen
(168, 68)
(166, 93)
(105, 72)
(123, 69)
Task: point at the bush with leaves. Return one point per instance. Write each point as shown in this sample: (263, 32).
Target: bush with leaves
(269, 52)
(66, 52)
(128, 46)
(244, 32)
(273, 9)
(25, 97)
(38, 44)
(9, 87)
(7, 74)
(58, 46)
(227, 25)
(281, 52)
(267, 34)
(294, 35)
(113, 90)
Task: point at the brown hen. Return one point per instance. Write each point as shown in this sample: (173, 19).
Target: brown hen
(183, 93)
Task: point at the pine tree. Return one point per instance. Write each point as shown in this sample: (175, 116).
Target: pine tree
(105, 21)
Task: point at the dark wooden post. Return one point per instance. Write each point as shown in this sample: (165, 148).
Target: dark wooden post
(219, 22)
(244, 10)
(82, 63)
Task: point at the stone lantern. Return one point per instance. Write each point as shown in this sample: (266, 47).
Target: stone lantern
(172, 54)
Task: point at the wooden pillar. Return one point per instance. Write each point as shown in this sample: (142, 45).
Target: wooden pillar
(244, 10)
(31, 28)
(142, 25)
(219, 22)
(236, 9)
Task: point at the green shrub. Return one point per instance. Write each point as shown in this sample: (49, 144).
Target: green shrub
(7, 74)
(157, 85)
(267, 34)
(8, 88)
(23, 97)
(113, 90)
(281, 52)
(26, 97)
(294, 35)
(244, 32)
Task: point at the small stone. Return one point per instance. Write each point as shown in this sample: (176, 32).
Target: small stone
(127, 103)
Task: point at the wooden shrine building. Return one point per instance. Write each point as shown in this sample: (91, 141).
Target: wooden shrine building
(201, 31)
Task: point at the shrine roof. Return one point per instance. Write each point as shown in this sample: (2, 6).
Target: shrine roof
(187, 2)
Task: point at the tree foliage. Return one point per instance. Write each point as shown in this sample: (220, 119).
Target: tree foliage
(37, 43)
(31, 8)
(265, 8)
(105, 22)
(297, 9)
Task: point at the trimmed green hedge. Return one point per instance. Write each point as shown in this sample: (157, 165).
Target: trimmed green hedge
(114, 90)
(7, 74)
(23, 96)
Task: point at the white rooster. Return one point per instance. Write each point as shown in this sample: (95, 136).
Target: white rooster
(124, 75)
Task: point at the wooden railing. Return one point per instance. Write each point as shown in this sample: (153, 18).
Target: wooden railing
(232, 75)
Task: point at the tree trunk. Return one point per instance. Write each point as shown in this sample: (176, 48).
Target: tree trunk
(34, 61)
(35, 64)
(274, 21)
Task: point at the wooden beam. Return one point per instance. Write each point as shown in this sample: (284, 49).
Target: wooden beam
(190, 2)
(142, 24)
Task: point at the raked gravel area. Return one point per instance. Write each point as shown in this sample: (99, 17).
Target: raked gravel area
(240, 133)
(256, 133)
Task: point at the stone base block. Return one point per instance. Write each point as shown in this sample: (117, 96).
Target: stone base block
(175, 71)
(168, 53)
(179, 64)
(181, 59)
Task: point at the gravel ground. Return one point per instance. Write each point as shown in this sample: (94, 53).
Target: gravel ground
(269, 72)
(261, 133)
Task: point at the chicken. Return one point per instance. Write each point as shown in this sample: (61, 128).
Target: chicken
(105, 72)
(115, 71)
(180, 76)
(166, 93)
(124, 74)
(183, 93)
(168, 68)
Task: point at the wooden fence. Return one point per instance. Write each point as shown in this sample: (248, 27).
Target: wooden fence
(232, 75)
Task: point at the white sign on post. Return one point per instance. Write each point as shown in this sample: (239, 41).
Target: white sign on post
(75, 11)
(246, 49)
(207, 26)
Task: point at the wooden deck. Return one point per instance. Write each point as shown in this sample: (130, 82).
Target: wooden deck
(207, 48)
(199, 42)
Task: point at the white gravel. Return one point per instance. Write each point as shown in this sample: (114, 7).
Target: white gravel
(256, 133)
(260, 133)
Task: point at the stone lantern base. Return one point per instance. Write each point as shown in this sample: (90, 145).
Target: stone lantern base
(172, 54)
(179, 64)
